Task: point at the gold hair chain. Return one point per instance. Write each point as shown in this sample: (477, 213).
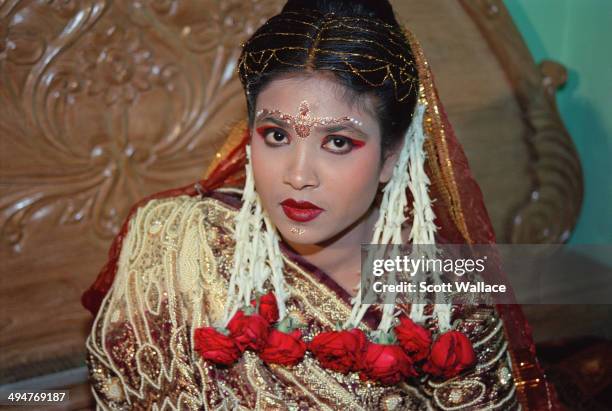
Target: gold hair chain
(398, 67)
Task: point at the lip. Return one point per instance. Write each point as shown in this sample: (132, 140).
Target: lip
(300, 211)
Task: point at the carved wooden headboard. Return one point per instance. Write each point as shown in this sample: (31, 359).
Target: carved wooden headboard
(102, 103)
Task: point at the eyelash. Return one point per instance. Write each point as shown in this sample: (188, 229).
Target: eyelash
(354, 144)
(264, 131)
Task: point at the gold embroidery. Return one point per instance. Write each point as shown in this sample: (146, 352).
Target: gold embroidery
(113, 389)
(320, 305)
(149, 354)
(438, 135)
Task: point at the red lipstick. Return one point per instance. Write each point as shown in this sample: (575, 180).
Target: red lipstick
(300, 211)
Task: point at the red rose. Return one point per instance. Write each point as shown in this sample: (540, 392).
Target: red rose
(283, 348)
(339, 350)
(215, 347)
(450, 354)
(413, 338)
(268, 308)
(249, 331)
(388, 364)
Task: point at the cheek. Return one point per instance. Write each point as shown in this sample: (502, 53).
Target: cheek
(354, 184)
(265, 170)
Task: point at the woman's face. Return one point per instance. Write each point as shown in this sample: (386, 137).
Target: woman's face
(316, 157)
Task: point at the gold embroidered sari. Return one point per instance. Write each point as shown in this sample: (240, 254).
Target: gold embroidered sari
(172, 278)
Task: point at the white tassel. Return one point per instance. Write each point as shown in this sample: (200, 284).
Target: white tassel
(423, 229)
(277, 267)
(257, 255)
(409, 172)
(388, 227)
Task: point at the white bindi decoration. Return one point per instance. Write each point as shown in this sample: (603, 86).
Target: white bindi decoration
(303, 122)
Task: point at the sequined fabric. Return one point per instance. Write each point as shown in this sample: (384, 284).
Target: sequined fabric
(172, 278)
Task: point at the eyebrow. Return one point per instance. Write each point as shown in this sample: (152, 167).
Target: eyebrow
(347, 125)
(275, 120)
(344, 126)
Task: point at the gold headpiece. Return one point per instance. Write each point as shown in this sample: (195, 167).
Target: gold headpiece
(395, 62)
(304, 121)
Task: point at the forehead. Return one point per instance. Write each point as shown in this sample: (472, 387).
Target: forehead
(325, 96)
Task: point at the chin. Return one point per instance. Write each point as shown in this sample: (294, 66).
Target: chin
(303, 239)
(310, 235)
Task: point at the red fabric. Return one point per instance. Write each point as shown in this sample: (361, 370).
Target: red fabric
(536, 393)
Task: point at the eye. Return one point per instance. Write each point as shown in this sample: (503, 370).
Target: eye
(340, 144)
(273, 136)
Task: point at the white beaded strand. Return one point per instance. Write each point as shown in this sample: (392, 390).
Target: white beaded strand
(257, 255)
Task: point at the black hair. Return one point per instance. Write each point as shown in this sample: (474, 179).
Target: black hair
(359, 35)
(379, 9)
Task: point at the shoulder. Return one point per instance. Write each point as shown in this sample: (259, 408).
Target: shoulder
(178, 229)
(183, 229)
(173, 214)
(183, 243)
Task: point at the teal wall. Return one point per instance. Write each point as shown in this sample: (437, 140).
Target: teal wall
(578, 34)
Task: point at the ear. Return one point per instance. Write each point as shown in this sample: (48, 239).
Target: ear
(389, 162)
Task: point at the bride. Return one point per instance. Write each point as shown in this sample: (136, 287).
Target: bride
(239, 292)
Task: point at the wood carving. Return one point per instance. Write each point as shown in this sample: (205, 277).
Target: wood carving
(111, 101)
(549, 214)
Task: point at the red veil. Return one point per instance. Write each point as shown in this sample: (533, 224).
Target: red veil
(460, 215)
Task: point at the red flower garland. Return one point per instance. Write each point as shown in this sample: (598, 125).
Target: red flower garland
(339, 351)
(215, 346)
(267, 307)
(450, 354)
(257, 329)
(283, 348)
(413, 338)
(249, 331)
(386, 363)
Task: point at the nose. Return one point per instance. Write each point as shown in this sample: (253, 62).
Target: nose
(300, 172)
